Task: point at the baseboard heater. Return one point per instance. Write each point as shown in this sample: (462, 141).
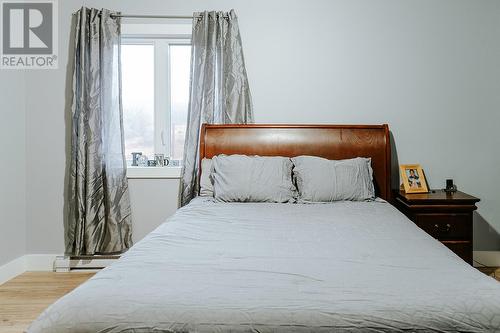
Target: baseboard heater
(66, 264)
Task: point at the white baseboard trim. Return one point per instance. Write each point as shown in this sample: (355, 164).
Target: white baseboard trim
(12, 269)
(40, 262)
(65, 264)
(28, 262)
(50, 263)
(486, 258)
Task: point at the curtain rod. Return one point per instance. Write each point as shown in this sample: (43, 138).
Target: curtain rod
(183, 17)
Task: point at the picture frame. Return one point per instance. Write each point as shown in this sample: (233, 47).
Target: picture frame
(413, 178)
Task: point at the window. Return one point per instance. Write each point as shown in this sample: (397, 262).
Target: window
(155, 95)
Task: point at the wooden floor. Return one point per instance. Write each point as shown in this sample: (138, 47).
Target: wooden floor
(494, 272)
(23, 298)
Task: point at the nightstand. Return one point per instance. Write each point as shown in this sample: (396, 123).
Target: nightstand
(446, 217)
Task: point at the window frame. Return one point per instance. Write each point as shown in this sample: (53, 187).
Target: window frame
(162, 100)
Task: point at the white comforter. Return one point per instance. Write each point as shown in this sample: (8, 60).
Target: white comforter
(219, 267)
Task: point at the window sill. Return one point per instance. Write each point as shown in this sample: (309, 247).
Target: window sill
(153, 172)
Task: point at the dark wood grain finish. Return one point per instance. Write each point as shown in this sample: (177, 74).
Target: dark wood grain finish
(438, 197)
(328, 141)
(463, 249)
(446, 217)
(445, 226)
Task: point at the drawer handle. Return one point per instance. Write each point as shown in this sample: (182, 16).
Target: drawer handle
(446, 229)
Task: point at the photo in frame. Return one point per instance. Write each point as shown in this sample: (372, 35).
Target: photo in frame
(413, 178)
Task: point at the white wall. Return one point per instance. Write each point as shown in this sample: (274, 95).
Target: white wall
(431, 69)
(153, 200)
(12, 166)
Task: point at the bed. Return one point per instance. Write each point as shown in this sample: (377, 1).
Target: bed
(266, 267)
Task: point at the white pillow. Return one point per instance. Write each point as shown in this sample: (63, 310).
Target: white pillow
(244, 178)
(322, 180)
(206, 181)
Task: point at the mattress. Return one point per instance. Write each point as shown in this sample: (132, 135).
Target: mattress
(257, 267)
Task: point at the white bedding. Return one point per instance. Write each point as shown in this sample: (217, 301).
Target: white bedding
(243, 267)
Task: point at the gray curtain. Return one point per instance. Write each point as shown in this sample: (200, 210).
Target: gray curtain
(99, 219)
(219, 91)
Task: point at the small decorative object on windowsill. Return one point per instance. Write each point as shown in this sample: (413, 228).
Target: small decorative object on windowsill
(135, 158)
(413, 178)
(450, 187)
(159, 160)
(142, 161)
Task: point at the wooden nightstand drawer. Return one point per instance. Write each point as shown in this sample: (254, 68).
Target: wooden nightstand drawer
(461, 249)
(445, 226)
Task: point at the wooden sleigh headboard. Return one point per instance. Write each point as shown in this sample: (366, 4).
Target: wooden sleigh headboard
(334, 142)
